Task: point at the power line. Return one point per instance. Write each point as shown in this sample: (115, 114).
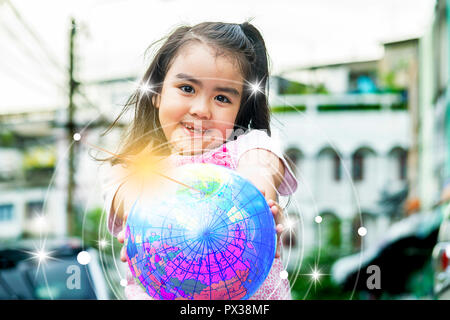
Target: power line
(52, 59)
(16, 74)
(29, 54)
(21, 78)
(24, 49)
(53, 81)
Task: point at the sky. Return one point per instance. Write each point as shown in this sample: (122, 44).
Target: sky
(112, 36)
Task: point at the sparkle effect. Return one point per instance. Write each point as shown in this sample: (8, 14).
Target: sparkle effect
(42, 256)
(362, 231)
(314, 278)
(255, 88)
(41, 222)
(315, 275)
(146, 88)
(102, 243)
(290, 224)
(83, 257)
(284, 274)
(77, 136)
(146, 167)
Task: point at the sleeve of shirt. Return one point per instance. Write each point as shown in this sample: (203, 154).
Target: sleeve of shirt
(259, 139)
(111, 178)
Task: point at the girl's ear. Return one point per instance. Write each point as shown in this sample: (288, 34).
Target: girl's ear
(155, 101)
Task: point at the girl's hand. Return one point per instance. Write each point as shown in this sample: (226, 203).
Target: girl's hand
(279, 220)
(278, 216)
(121, 239)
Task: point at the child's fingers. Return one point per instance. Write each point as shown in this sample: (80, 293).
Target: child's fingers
(279, 228)
(273, 204)
(277, 211)
(125, 217)
(278, 252)
(263, 192)
(121, 236)
(278, 249)
(123, 254)
(121, 239)
(274, 210)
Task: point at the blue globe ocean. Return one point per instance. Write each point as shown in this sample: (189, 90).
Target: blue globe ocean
(211, 238)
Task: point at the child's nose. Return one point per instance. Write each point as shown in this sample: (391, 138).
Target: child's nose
(201, 109)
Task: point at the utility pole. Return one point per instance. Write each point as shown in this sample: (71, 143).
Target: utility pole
(71, 130)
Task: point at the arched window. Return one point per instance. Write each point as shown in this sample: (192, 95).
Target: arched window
(359, 163)
(358, 166)
(355, 237)
(332, 165)
(337, 171)
(294, 156)
(368, 221)
(398, 157)
(331, 230)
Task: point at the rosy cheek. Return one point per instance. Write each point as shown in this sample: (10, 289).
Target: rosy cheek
(226, 127)
(218, 133)
(172, 112)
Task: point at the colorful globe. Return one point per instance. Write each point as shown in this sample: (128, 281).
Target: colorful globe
(210, 238)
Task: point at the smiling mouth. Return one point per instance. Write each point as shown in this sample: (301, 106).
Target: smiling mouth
(194, 130)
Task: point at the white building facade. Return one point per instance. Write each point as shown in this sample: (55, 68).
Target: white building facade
(344, 159)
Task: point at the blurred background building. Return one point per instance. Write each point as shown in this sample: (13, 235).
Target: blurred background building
(348, 131)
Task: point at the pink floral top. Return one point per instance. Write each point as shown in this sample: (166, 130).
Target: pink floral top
(228, 155)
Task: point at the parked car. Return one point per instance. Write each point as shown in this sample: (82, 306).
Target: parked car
(60, 276)
(403, 250)
(441, 257)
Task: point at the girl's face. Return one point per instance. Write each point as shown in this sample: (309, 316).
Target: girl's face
(199, 100)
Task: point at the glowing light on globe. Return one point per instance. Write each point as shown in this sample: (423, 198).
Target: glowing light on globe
(213, 240)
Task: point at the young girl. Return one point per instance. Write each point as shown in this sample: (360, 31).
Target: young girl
(203, 99)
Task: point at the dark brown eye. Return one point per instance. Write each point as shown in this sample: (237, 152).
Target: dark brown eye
(223, 99)
(187, 89)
